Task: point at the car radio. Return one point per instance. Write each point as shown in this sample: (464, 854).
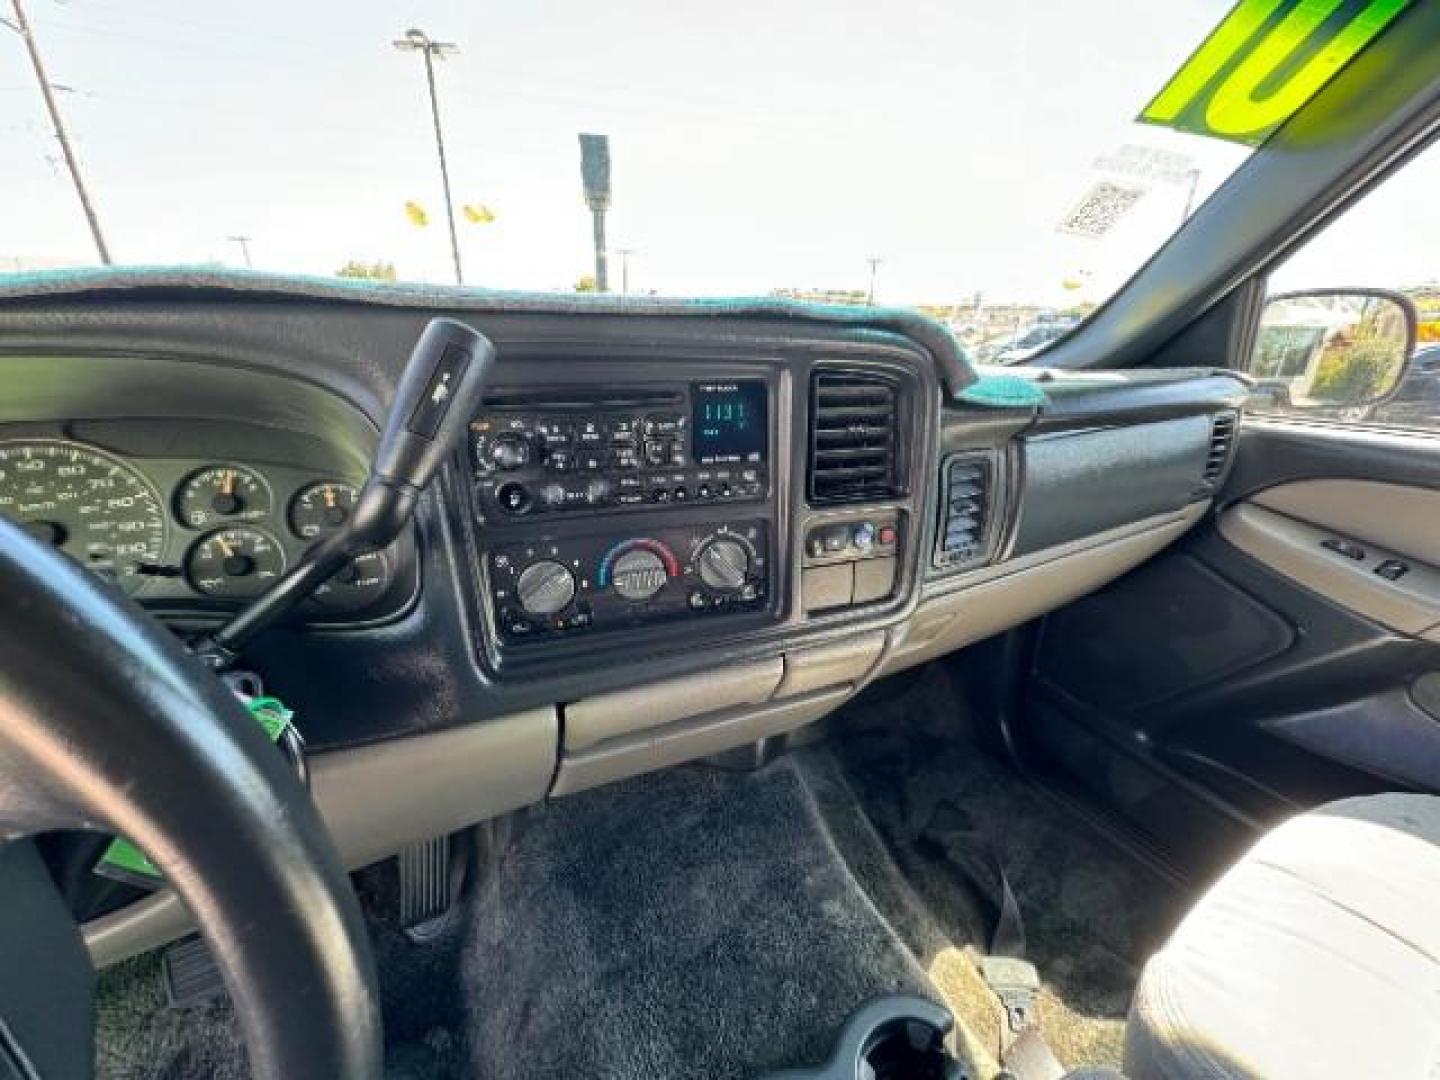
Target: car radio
(553, 452)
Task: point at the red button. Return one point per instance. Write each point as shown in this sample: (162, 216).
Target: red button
(887, 535)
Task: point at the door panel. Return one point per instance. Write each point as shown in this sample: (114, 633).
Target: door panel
(1252, 670)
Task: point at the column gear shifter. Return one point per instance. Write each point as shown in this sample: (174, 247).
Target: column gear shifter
(437, 394)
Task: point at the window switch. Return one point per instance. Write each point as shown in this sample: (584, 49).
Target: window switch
(1392, 569)
(1348, 548)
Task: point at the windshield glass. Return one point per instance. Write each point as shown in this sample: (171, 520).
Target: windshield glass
(979, 161)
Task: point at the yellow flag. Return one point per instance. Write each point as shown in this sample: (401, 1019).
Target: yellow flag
(416, 213)
(478, 213)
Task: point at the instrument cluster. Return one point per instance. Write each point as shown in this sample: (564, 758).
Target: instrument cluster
(186, 532)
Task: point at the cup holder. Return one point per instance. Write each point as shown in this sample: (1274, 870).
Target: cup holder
(891, 1038)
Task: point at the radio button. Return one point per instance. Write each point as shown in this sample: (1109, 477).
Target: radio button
(560, 461)
(664, 425)
(657, 452)
(591, 462)
(625, 458)
(513, 498)
(588, 433)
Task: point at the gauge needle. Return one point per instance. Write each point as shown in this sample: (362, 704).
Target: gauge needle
(329, 496)
(224, 547)
(227, 485)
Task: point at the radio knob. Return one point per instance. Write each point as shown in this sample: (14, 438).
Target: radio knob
(510, 452)
(724, 564)
(545, 587)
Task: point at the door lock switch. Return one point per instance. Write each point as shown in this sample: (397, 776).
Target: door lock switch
(1393, 569)
(1348, 548)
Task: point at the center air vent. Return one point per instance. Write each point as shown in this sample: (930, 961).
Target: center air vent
(966, 510)
(853, 437)
(1222, 442)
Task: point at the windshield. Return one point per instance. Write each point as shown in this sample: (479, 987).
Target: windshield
(979, 161)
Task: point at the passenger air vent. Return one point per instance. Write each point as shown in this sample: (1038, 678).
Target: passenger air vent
(966, 510)
(853, 437)
(1222, 442)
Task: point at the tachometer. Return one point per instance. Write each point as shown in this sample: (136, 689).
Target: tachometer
(88, 504)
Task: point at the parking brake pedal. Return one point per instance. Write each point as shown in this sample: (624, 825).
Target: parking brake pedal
(425, 886)
(192, 978)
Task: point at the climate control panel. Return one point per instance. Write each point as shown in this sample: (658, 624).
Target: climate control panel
(579, 585)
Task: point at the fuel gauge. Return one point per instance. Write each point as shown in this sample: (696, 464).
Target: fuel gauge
(222, 493)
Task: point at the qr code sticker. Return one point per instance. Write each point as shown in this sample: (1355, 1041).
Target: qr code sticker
(1104, 205)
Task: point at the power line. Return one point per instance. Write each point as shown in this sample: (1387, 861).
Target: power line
(419, 41)
(22, 27)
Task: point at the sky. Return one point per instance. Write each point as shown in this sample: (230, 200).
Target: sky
(756, 145)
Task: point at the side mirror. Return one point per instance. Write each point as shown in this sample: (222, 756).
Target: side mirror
(1331, 349)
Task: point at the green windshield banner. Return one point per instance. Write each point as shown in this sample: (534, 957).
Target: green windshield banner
(1266, 60)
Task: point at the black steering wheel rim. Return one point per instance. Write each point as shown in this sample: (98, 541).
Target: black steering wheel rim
(107, 723)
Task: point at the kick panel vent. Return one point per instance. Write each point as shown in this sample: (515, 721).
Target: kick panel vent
(1222, 443)
(966, 510)
(853, 437)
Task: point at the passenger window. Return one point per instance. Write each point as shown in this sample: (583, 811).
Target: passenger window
(1329, 346)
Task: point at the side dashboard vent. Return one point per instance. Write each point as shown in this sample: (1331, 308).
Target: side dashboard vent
(966, 510)
(1222, 445)
(853, 437)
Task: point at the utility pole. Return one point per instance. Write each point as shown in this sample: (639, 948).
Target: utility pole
(22, 27)
(244, 242)
(624, 254)
(874, 262)
(419, 41)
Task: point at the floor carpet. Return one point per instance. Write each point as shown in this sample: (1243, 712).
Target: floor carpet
(703, 923)
(905, 756)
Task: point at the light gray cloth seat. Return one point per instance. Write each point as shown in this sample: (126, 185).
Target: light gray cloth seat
(1316, 956)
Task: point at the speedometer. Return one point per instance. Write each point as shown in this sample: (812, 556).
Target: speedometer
(88, 504)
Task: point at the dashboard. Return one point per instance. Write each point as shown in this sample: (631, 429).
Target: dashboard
(669, 532)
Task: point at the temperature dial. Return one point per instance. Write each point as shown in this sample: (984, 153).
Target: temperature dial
(637, 569)
(321, 508)
(638, 574)
(545, 588)
(724, 563)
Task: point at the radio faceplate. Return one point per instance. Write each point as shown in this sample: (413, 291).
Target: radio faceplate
(567, 586)
(558, 452)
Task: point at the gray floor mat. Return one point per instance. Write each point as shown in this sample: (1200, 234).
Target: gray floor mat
(691, 924)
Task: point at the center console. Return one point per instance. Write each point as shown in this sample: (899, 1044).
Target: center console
(626, 505)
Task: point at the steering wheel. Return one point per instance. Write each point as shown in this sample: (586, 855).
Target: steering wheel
(107, 723)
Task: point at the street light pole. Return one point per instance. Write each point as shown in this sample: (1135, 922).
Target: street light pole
(874, 262)
(624, 254)
(22, 27)
(419, 41)
(244, 242)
